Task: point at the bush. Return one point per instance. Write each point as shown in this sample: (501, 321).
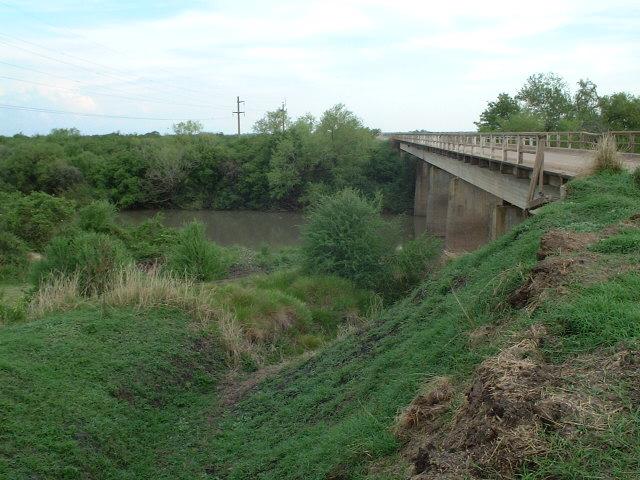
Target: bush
(34, 218)
(194, 257)
(345, 235)
(98, 216)
(94, 257)
(13, 254)
(150, 241)
(412, 263)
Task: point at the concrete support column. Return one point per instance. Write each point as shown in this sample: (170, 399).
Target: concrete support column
(469, 216)
(437, 201)
(504, 218)
(420, 194)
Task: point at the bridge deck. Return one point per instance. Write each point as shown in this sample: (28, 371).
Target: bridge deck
(538, 157)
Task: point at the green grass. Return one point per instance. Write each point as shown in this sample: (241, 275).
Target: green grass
(329, 416)
(626, 241)
(105, 394)
(334, 413)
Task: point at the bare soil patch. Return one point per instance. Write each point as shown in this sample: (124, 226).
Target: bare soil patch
(513, 398)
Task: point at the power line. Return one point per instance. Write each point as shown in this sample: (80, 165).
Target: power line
(93, 72)
(43, 72)
(142, 99)
(83, 114)
(15, 7)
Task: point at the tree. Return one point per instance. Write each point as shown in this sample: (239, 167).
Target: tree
(64, 132)
(620, 111)
(585, 105)
(189, 127)
(521, 122)
(547, 95)
(344, 144)
(499, 110)
(273, 122)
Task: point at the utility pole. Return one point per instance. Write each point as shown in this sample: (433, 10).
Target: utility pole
(238, 112)
(284, 114)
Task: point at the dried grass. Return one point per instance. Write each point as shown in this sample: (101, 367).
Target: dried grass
(606, 156)
(60, 293)
(132, 287)
(515, 396)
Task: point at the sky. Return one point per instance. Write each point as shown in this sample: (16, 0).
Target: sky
(399, 65)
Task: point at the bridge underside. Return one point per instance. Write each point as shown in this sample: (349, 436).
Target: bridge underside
(504, 180)
(464, 215)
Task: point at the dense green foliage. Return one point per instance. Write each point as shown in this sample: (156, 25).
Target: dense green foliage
(274, 169)
(193, 256)
(34, 218)
(98, 216)
(346, 236)
(545, 103)
(13, 255)
(93, 256)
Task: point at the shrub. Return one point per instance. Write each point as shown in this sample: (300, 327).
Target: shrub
(345, 235)
(606, 156)
(636, 177)
(93, 257)
(34, 218)
(150, 240)
(13, 254)
(194, 257)
(413, 261)
(98, 216)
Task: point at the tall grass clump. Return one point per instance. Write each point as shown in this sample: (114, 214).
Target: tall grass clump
(93, 257)
(99, 216)
(413, 262)
(345, 235)
(150, 240)
(196, 258)
(606, 157)
(57, 293)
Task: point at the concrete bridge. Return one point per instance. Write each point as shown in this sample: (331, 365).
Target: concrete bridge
(487, 182)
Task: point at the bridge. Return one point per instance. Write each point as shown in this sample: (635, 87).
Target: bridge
(489, 181)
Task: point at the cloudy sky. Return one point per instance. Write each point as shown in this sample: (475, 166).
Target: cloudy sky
(400, 65)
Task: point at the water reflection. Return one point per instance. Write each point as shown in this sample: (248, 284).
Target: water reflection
(276, 229)
(250, 229)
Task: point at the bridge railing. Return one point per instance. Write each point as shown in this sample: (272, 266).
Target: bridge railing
(521, 142)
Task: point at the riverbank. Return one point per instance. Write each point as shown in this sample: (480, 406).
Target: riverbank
(520, 359)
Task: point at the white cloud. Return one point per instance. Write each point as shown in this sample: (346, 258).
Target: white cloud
(441, 61)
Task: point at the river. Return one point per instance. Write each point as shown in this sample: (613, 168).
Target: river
(275, 229)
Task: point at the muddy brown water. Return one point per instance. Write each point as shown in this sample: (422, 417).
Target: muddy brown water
(275, 229)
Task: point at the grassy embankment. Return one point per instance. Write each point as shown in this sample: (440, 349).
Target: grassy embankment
(518, 359)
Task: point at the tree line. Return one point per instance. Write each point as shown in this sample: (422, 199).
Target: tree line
(546, 103)
(283, 165)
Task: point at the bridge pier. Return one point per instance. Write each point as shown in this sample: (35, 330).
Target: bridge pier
(470, 211)
(503, 218)
(465, 215)
(421, 189)
(438, 201)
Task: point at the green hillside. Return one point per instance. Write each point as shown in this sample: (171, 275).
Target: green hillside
(520, 359)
